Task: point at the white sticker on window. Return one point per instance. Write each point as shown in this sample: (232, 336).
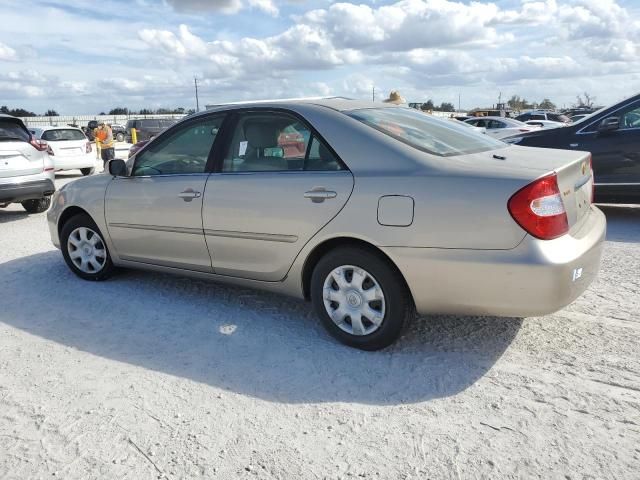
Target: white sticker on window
(243, 149)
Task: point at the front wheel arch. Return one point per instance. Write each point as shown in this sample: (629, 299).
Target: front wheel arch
(70, 213)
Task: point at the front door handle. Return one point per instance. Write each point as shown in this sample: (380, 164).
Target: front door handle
(319, 195)
(189, 194)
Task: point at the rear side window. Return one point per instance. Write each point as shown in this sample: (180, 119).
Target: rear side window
(274, 141)
(424, 132)
(10, 130)
(148, 124)
(63, 135)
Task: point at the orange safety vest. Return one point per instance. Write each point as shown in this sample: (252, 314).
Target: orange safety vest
(105, 137)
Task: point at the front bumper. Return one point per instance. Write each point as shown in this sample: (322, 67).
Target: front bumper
(537, 277)
(19, 192)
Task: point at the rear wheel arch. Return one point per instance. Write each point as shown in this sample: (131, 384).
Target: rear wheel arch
(326, 246)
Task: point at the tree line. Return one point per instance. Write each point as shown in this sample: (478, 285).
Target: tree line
(517, 103)
(149, 111)
(21, 112)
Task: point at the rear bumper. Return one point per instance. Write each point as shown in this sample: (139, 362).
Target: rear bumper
(88, 160)
(19, 192)
(536, 278)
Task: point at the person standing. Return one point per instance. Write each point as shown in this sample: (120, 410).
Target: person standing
(104, 138)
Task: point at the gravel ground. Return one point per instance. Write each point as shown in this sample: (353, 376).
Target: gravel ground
(153, 376)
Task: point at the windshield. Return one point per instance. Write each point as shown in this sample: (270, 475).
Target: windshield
(63, 135)
(424, 132)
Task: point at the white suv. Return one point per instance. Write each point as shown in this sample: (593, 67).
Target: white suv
(26, 171)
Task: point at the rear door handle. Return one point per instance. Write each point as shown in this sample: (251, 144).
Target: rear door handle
(189, 194)
(318, 196)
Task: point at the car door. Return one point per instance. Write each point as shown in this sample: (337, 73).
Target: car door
(154, 215)
(616, 153)
(276, 185)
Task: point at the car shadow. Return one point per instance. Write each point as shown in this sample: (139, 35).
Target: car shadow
(7, 216)
(246, 341)
(623, 222)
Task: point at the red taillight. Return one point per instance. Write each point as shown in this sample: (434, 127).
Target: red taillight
(39, 145)
(87, 148)
(538, 208)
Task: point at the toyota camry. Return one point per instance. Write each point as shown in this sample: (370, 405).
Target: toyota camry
(375, 213)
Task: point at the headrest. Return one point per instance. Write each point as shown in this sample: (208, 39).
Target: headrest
(261, 134)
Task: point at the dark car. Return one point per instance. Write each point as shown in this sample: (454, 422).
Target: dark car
(543, 115)
(147, 127)
(612, 135)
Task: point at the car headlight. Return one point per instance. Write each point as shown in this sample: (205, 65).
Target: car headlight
(512, 140)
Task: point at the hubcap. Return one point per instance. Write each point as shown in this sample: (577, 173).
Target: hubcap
(354, 300)
(87, 250)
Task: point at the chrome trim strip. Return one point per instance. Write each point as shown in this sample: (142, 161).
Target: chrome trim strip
(630, 184)
(269, 237)
(156, 228)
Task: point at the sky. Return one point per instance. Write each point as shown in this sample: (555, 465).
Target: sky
(80, 57)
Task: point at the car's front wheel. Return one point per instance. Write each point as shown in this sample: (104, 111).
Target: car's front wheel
(87, 171)
(84, 249)
(37, 205)
(120, 137)
(360, 298)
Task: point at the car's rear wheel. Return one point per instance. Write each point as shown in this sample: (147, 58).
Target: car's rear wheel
(84, 249)
(87, 171)
(360, 298)
(37, 205)
(120, 137)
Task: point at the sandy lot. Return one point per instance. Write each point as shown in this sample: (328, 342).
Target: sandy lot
(153, 376)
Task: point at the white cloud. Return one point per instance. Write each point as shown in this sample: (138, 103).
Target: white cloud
(7, 53)
(198, 6)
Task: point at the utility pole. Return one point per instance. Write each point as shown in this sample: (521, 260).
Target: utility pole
(195, 82)
(459, 109)
(373, 93)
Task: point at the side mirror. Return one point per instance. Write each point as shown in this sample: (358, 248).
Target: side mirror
(118, 168)
(609, 124)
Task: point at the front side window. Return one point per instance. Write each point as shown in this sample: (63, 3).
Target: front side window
(424, 132)
(271, 141)
(62, 135)
(630, 118)
(183, 151)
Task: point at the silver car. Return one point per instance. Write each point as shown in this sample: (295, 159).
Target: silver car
(371, 211)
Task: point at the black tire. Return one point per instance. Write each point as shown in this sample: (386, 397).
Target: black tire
(87, 171)
(120, 137)
(37, 205)
(399, 309)
(78, 221)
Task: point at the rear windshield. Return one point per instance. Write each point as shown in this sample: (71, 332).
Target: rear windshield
(424, 132)
(63, 135)
(10, 130)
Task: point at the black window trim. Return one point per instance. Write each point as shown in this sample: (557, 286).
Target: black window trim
(183, 125)
(231, 123)
(606, 114)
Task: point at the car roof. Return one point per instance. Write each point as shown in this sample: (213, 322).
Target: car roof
(341, 104)
(55, 127)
